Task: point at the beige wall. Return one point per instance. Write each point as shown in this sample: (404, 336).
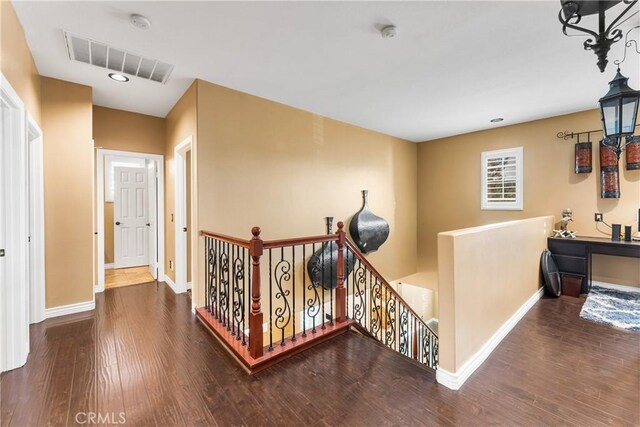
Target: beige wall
(449, 188)
(125, 131)
(263, 163)
(485, 275)
(108, 233)
(68, 192)
(181, 122)
(16, 62)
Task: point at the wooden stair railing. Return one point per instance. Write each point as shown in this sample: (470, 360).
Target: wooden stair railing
(261, 304)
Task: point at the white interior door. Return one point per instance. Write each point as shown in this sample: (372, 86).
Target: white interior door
(131, 217)
(4, 116)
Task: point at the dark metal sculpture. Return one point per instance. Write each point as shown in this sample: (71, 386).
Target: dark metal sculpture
(367, 230)
(323, 264)
(600, 40)
(551, 274)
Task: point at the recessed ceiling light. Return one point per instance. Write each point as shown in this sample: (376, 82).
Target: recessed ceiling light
(140, 22)
(118, 77)
(497, 120)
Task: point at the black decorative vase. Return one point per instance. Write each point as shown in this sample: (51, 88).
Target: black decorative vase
(323, 264)
(367, 230)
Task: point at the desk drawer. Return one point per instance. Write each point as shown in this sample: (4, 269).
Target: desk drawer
(616, 250)
(559, 247)
(571, 264)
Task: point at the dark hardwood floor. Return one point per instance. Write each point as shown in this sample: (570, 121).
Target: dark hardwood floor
(143, 354)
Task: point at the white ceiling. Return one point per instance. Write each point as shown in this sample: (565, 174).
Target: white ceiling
(452, 67)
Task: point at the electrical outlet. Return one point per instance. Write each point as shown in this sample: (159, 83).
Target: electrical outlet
(598, 217)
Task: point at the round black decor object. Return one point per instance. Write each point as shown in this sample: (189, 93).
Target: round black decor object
(368, 230)
(550, 274)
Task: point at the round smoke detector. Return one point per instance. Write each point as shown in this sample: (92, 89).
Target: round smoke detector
(140, 22)
(389, 32)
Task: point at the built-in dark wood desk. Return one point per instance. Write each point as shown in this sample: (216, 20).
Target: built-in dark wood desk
(574, 256)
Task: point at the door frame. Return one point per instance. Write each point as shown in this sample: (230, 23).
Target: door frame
(35, 253)
(14, 304)
(180, 159)
(159, 159)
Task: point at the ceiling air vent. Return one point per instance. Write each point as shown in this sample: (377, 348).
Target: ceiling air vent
(101, 55)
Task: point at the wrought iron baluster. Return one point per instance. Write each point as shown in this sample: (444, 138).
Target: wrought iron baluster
(206, 274)
(245, 296)
(238, 290)
(233, 294)
(282, 313)
(314, 303)
(270, 303)
(293, 291)
(323, 319)
(226, 275)
(248, 296)
(346, 282)
(331, 289)
(304, 292)
(403, 331)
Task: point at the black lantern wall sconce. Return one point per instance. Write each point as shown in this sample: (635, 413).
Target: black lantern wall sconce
(604, 36)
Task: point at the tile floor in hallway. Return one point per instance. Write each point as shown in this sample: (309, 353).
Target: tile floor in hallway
(115, 278)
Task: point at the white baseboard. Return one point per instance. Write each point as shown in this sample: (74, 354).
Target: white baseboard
(615, 286)
(455, 380)
(109, 266)
(64, 310)
(171, 284)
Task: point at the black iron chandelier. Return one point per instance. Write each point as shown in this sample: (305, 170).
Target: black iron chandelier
(604, 36)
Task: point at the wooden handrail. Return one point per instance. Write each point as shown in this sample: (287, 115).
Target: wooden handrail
(380, 277)
(281, 243)
(270, 244)
(225, 238)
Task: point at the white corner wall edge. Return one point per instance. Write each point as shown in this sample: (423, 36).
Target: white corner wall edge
(171, 284)
(455, 380)
(63, 310)
(616, 287)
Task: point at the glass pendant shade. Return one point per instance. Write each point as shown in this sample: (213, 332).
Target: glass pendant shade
(619, 108)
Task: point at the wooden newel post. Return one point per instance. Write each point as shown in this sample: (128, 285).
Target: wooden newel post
(255, 317)
(341, 293)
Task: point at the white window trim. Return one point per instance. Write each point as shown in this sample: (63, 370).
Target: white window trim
(518, 205)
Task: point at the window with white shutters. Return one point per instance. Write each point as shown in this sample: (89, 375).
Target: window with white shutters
(502, 179)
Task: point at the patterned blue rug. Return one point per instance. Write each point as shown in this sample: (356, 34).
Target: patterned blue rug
(613, 307)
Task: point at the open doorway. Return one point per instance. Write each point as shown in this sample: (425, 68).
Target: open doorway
(130, 217)
(35, 209)
(14, 292)
(183, 197)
